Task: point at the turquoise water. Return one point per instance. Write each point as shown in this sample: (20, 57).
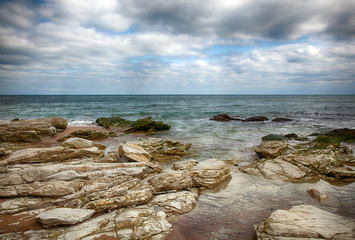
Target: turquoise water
(189, 115)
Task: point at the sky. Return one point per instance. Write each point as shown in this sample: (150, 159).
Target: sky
(177, 47)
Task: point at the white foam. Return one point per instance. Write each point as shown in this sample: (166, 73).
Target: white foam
(80, 123)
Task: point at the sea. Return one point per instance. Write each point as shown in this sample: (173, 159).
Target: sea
(231, 211)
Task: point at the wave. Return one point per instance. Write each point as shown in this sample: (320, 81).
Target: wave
(80, 123)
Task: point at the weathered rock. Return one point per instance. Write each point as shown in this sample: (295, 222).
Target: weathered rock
(281, 120)
(273, 137)
(53, 154)
(31, 130)
(224, 117)
(305, 222)
(141, 125)
(77, 143)
(271, 149)
(184, 165)
(20, 204)
(176, 203)
(256, 119)
(323, 198)
(89, 134)
(64, 216)
(291, 136)
(133, 153)
(172, 180)
(210, 173)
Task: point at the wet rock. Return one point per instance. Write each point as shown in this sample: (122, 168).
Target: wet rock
(281, 120)
(271, 149)
(224, 117)
(256, 119)
(77, 143)
(210, 173)
(134, 153)
(184, 165)
(176, 203)
(141, 125)
(64, 216)
(172, 180)
(305, 222)
(89, 134)
(273, 137)
(31, 130)
(323, 198)
(291, 136)
(53, 154)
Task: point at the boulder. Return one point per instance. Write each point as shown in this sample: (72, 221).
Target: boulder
(31, 130)
(305, 222)
(184, 165)
(256, 119)
(323, 198)
(273, 137)
(77, 143)
(176, 203)
(291, 136)
(64, 216)
(271, 149)
(224, 117)
(171, 180)
(281, 120)
(131, 152)
(89, 134)
(210, 173)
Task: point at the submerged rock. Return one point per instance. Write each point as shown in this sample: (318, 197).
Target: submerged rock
(256, 119)
(31, 130)
(64, 216)
(281, 120)
(224, 117)
(273, 137)
(305, 222)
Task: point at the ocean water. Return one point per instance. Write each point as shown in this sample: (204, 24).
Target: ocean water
(231, 211)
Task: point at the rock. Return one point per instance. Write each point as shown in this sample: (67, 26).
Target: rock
(89, 134)
(184, 165)
(221, 117)
(323, 198)
(31, 130)
(305, 222)
(2, 152)
(255, 119)
(291, 136)
(133, 153)
(77, 143)
(210, 173)
(273, 137)
(271, 149)
(141, 125)
(64, 216)
(176, 203)
(53, 154)
(281, 120)
(172, 180)
(344, 134)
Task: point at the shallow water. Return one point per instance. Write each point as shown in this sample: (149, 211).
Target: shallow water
(245, 200)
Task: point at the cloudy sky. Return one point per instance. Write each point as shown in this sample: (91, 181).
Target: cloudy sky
(177, 47)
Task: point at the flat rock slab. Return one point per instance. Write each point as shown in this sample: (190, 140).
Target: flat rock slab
(64, 216)
(305, 222)
(77, 143)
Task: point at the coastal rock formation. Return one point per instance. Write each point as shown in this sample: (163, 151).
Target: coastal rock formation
(171, 180)
(131, 152)
(224, 117)
(78, 143)
(90, 134)
(305, 222)
(281, 120)
(146, 125)
(31, 130)
(63, 216)
(323, 158)
(256, 119)
(184, 165)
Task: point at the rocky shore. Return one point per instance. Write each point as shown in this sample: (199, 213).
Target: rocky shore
(81, 187)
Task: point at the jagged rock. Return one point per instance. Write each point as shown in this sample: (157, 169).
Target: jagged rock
(271, 149)
(184, 165)
(141, 125)
(255, 119)
(210, 173)
(176, 203)
(77, 143)
(53, 154)
(64, 216)
(305, 222)
(133, 153)
(172, 180)
(89, 134)
(45, 189)
(31, 130)
(273, 137)
(163, 150)
(281, 120)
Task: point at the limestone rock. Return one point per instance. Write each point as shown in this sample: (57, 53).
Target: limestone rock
(133, 153)
(77, 143)
(184, 165)
(271, 149)
(210, 173)
(172, 180)
(305, 222)
(176, 203)
(64, 216)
